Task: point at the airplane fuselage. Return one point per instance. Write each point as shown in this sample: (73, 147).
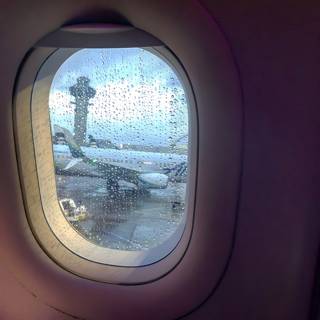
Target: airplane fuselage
(137, 160)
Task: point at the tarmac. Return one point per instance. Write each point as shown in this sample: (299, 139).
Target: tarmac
(126, 220)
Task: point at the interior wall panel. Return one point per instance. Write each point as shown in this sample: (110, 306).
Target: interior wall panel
(271, 272)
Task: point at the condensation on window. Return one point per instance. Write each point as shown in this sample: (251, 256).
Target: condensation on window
(119, 123)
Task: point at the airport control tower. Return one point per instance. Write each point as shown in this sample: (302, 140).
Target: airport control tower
(82, 93)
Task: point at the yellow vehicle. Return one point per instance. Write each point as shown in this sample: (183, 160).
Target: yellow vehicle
(71, 211)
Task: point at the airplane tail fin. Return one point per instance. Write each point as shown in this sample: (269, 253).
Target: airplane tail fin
(75, 149)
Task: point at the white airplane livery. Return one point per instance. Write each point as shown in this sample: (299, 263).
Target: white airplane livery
(153, 169)
(135, 160)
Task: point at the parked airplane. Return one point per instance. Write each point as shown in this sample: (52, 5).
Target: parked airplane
(144, 170)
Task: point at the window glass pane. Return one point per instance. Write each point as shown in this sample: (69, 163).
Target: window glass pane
(119, 123)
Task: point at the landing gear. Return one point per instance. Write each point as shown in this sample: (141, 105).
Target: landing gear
(112, 186)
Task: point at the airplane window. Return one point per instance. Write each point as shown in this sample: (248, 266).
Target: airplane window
(119, 121)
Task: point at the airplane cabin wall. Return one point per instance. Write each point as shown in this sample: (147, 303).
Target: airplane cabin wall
(276, 49)
(271, 273)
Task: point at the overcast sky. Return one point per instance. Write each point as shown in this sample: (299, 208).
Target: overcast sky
(138, 100)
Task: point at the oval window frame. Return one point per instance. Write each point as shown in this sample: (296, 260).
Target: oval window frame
(92, 264)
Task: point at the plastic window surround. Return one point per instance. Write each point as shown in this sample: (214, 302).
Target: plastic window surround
(75, 253)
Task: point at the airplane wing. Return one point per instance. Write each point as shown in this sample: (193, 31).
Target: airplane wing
(72, 163)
